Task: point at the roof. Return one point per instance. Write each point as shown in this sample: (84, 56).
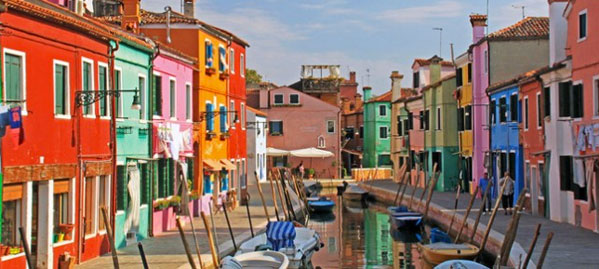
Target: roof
(256, 111)
(176, 52)
(424, 62)
(438, 83)
(149, 17)
(528, 28)
(51, 12)
(385, 97)
(526, 76)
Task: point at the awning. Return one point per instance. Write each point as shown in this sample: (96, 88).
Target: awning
(212, 165)
(352, 152)
(228, 165)
(273, 152)
(311, 153)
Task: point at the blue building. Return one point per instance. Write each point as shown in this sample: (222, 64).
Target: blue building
(506, 150)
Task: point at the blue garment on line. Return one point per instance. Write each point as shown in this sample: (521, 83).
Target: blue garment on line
(280, 234)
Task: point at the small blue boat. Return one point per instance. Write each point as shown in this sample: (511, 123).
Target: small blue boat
(392, 210)
(406, 220)
(321, 205)
(438, 236)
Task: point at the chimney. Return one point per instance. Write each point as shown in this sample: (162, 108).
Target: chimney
(396, 78)
(435, 69)
(558, 31)
(131, 16)
(479, 22)
(188, 8)
(367, 93)
(352, 77)
(263, 95)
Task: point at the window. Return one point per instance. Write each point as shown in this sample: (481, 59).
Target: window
(294, 99)
(438, 118)
(577, 101)
(361, 131)
(14, 75)
(526, 113)
(384, 160)
(157, 94)
(383, 132)
(62, 210)
(278, 99)
(502, 109)
(469, 72)
(486, 59)
(461, 119)
(142, 97)
(330, 126)
(582, 25)
(459, 78)
(349, 132)
(406, 127)
(513, 108)
(209, 117)
(416, 79)
(188, 101)
(321, 142)
(512, 164)
(411, 120)
(12, 214)
(421, 117)
(242, 115)
(427, 119)
(566, 172)
(565, 98)
(468, 118)
(492, 111)
(89, 216)
(276, 127)
(547, 99)
(242, 65)
(173, 98)
(117, 86)
(223, 119)
(382, 110)
(222, 59)
(399, 125)
(437, 160)
(103, 200)
(232, 108)
(539, 118)
(232, 61)
(61, 88)
(88, 83)
(208, 54)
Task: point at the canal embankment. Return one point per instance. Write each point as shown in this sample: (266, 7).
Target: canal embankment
(571, 246)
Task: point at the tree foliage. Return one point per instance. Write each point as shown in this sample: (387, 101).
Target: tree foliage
(252, 76)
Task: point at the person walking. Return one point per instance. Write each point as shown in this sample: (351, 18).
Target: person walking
(300, 170)
(507, 197)
(482, 186)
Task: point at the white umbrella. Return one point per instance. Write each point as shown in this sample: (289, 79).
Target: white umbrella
(273, 152)
(311, 153)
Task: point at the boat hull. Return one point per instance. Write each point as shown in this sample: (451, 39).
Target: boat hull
(432, 257)
(407, 220)
(257, 259)
(321, 206)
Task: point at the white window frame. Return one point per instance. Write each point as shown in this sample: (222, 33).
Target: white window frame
(67, 89)
(108, 88)
(439, 118)
(583, 12)
(23, 56)
(298, 99)
(324, 142)
(119, 116)
(596, 96)
(242, 115)
(189, 102)
(174, 109)
(526, 114)
(274, 99)
(386, 131)
(334, 127)
(94, 205)
(93, 87)
(143, 94)
(232, 60)
(107, 198)
(232, 119)
(538, 110)
(380, 111)
(242, 65)
(71, 205)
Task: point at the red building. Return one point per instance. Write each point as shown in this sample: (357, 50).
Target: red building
(582, 43)
(58, 175)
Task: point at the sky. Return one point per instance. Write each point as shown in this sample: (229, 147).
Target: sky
(370, 37)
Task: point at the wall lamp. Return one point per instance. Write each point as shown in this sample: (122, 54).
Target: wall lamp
(85, 98)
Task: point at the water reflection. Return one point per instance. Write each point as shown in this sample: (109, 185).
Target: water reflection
(359, 237)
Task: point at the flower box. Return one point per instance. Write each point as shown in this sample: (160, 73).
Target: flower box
(223, 75)
(210, 71)
(210, 135)
(224, 136)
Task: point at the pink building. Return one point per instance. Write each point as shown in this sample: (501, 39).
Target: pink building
(298, 121)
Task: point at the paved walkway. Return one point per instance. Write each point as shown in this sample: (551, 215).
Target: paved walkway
(166, 250)
(571, 247)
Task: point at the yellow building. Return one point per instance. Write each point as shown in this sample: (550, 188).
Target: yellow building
(463, 95)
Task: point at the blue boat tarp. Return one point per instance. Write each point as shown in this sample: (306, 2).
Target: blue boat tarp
(280, 234)
(438, 236)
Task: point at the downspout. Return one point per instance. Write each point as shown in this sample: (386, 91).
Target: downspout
(488, 112)
(111, 58)
(155, 54)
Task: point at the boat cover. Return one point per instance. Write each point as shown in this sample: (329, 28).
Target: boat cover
(280, 234)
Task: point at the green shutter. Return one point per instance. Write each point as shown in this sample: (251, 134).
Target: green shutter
(87, 85)
(102, 83)
(121, 191)
(172, 96)
(117, 86)
(14, 79)
(171, 177)
(59, 89)
(187, 102)
(145, 191)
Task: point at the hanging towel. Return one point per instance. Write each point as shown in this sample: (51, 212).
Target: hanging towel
(280, 234)
(588, 132)
(580, 140)
(132, 221)
(579, 173)
(16, 125)
(589, 165)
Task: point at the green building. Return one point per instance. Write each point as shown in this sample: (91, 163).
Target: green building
(133, 70)
(441, 138)
(379, 244)
(377, 130)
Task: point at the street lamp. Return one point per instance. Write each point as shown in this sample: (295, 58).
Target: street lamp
(85, 98)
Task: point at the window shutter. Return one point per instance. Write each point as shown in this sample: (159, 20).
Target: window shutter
(59, 90)
(460, 119)
(399, 131)
(13, 77)
(576, 101)
(223, 119)
(121, 194)
(468, 118)
(564, 99)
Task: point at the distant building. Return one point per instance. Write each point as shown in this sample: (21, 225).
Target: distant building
(463, 95)
(377, 129)
(257, 128)
(352, 123)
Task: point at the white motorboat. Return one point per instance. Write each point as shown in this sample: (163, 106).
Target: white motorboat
(306, 242)
(256, 260)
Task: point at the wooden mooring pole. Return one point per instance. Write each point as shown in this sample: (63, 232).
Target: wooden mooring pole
(185, 245)
(261, 196)
(274, 200)
(486, 196)
(544, 251)
(247, 208)
(531, 248)
(210, 241)
(229, 226)
(510, 234)
(470, 203)
(115, 259)
(490, 223)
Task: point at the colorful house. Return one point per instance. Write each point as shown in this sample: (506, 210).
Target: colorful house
(463, 95)
(441, 141)
(256, 141)
(400, 123)
(496, 58)
(377, 129)
(57, 168)
(352, 123)
(581, 182)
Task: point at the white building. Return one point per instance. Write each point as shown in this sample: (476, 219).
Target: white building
(256, 145)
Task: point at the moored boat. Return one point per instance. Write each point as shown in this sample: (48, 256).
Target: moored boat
(256, 259)
(321, 205)
(437, 253)
(460, 264)
(406, 220)
(397, 209)
(354, 193)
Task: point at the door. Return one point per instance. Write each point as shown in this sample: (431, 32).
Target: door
(534, 191)
(542, 190)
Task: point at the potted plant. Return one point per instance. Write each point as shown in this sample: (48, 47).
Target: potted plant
(66, 230)
(210, 135)
(223, 75)
(225, 135)
(311, 173)
(210, 71)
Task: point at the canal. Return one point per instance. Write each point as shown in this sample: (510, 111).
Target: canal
(362, 237)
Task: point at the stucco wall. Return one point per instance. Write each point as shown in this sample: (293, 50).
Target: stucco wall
(506, 57)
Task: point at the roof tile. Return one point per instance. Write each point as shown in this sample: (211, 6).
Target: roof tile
(530, 27)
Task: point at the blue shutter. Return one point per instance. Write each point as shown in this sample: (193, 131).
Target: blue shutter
(221, 57)
(209, 60)
(223, 119)
(209, 117)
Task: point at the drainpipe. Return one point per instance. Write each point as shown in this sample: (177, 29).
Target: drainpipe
(111, 58)
(150, 126)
